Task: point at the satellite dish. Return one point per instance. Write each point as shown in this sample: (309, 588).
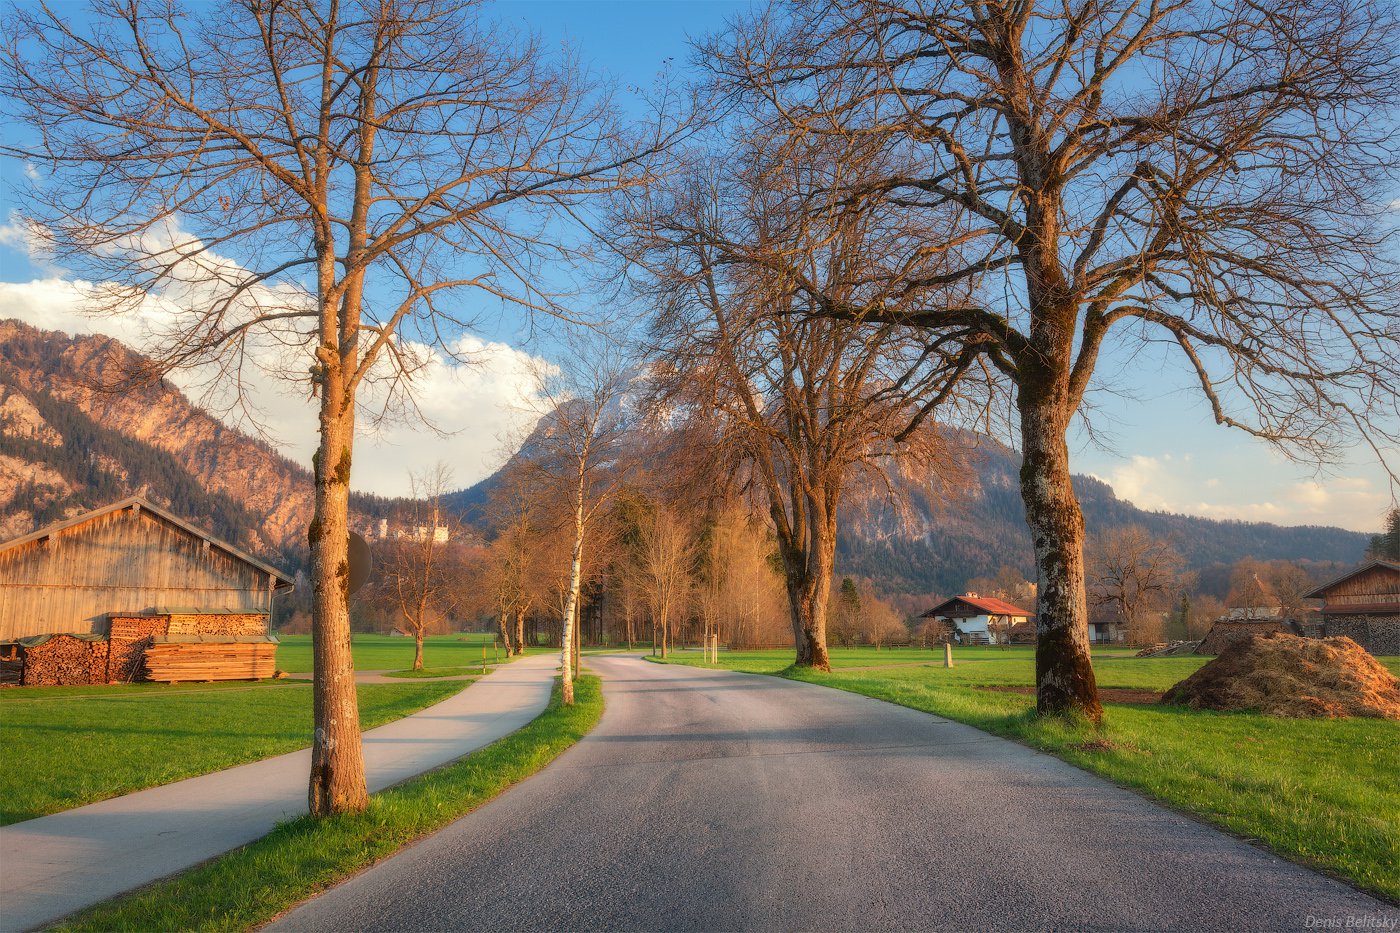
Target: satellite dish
(361, 561)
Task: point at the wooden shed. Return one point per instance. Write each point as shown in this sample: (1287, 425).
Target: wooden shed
(130, 558)
(1364, 605)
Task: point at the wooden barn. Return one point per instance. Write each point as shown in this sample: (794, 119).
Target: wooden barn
(1364, 605)
(137, 587)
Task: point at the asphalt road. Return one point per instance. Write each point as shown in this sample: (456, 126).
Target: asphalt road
(714, 801)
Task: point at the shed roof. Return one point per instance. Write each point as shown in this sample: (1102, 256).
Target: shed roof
(987, 604)
(140, 502)
(1320, 592)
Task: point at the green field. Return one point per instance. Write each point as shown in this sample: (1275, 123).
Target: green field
(1322, 792)
(248, 887)
(68, 746)
(386, 653)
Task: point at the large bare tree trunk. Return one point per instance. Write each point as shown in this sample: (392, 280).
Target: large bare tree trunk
(418, 650)
(1064, 672)
(337, 765)
(807, 579)
(520, 630)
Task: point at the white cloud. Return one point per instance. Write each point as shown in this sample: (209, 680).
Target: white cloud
(1272, 494)
(476, 403)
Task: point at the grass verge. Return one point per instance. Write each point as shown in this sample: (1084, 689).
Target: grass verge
(69, 746)
(390, 653)
(250, 886)
(1321, 792)
(428, 673)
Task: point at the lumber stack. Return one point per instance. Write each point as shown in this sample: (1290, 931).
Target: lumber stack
(183, 658)
(64, 660)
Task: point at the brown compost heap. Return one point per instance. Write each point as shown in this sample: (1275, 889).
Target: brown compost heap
(1284, 675)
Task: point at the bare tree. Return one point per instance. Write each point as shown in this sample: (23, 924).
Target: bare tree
(667, 560)
(520, 518)
(1200, 613)
(418, 576)
(791, 407)
(581, 449)
(315, 177)
(1291, 584)
(1210, 177)
(1135, 575)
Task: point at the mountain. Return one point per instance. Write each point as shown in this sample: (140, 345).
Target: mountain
(67, 445)
(936, 543)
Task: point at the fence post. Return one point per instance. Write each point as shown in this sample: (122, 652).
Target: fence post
(947, 654)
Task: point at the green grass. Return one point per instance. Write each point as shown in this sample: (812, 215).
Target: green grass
(1322, 792)
(68, 746)
(428, 673)
(389, 653)
(251, 885)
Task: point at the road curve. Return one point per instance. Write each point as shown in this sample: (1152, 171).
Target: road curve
(707, 800)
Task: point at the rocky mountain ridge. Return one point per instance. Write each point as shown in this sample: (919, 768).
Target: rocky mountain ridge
(67, 446)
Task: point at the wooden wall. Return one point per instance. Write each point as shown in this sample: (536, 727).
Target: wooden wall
(1377, 587)
(123, 563)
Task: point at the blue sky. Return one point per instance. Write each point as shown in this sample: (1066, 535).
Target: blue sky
(1163, 450)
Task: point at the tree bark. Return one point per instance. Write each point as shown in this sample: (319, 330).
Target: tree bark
(337, 781)
(807, 578)
(505, 632)
(418, 650)
(566, 661)
(1064, 672)
(519, 630)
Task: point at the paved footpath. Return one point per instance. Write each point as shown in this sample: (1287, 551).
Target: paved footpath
(707, 800)
(54, 865)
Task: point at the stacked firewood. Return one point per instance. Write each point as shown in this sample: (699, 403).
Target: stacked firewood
(218, 623)
(130, 637)
(177, 659)
(11, 665)
(64, 660)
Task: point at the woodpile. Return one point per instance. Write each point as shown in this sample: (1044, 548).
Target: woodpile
(1169, 649)
(184, 658)
(11, 665)
(216, 623)
(1224, 634)
(64, 660)
(128, 641)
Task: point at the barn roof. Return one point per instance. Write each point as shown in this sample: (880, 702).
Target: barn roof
(1321, 591)
(988, 604)
(140, 502)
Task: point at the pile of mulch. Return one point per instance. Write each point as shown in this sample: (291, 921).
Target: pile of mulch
(1297, 678)
(1224, 634)
(1168, 649)
(1140, 697)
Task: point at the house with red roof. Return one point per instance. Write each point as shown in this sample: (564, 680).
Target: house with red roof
(978, 620)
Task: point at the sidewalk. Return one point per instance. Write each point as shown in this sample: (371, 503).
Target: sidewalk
(54, 865)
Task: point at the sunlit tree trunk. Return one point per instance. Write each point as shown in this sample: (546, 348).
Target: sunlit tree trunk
(337, 781)
(566, 659)
(1064, 672)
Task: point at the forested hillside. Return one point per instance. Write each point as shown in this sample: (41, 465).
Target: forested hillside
(67, 446)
